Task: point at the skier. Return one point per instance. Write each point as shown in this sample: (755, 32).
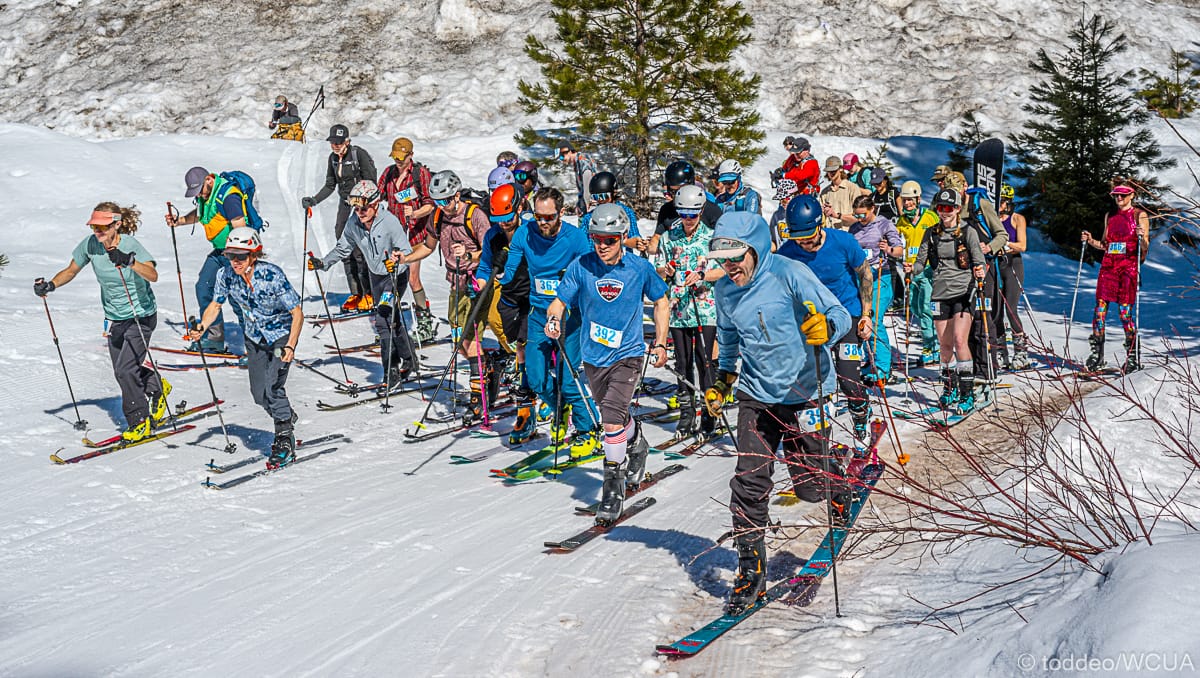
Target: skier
(838, 196)
(285, 120)
(914, 221)
(693, 317)
(1012, 279)
(512, 304)
(980, 214)
(842, 266)
(282, 109)
(382, 240)
(1125, 239)
(764, 305)
(678, 174)
(507, 159)
(735, 196)
(405, 186)
(274, 320)
(347, 166)
(879, 239)
(952, 250)
(604, 288)
(584, 168)
(884, 195)
(547, 249)
(603, 189)
(525, 174)
(125, 271)
(220, 208)
(800, 166)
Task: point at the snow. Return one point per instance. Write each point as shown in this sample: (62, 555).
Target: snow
(383, 558)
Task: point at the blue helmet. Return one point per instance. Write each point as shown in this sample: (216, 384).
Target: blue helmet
(803, 217)
(500, 176)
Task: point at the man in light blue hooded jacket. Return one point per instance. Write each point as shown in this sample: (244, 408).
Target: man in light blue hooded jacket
(776, 315)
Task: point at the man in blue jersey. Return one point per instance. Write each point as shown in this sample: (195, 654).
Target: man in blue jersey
(778, 317)
(607, 289)
(546, 251)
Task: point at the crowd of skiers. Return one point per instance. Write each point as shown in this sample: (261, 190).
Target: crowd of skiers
(776, 315)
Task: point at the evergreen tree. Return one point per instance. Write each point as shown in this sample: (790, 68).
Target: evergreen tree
(1174, 95)
(969, 135)
(1085, 129)
(649, 81)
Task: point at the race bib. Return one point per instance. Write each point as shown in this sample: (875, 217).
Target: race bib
(1116, 248)
(912, 252)
(810, 419)
(546, 286)
(935, 307)
(850, 352)
(407, 195)
(867, 253)
(605, 336)
(983, 304)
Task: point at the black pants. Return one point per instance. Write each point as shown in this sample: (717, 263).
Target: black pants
(693, 354)
(761, 428)
(849, 370)
(984, 324)
(1012, 277)
(358, 276)
(139, 385)
(393, 339)
(268, 377)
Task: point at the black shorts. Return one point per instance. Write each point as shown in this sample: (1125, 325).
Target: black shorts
(612, 388)
(514, 320)
(946, 309)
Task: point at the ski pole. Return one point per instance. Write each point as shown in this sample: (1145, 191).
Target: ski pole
(230, 446)
(556, 357)
(80, 424)
(484, 382)
(982, 301)
(1074, 296)
(329, 317)
(420, 424)
(145, 341)
(1137, 304)
(178, 271)
(705, 355)
(304, 268)
(825, 458)
(391, 323)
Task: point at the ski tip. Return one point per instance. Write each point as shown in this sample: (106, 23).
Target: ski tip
(57, 459)
(671, 652)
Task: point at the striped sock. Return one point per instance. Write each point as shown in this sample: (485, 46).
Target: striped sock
(615, 444)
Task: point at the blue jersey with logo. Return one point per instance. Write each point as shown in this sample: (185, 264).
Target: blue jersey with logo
(546, 259)
(835, 265)
(609, 299)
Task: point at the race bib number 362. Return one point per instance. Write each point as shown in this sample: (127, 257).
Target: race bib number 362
(546, 286)
(605, 336)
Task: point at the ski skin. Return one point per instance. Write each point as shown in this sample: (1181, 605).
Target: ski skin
(207, 354)
(101, 451)
(489, 452)
(234, 482)
(95, 444)
(213, 467)
(461, 426)
(697, 445)
(802, 585)
(571, 544)
(187, 367)
(650, 480)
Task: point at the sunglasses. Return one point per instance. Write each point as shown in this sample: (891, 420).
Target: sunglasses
(98, 228)
(860, 215)
(945, 209)
(1118, 196)
(688, 214)
(606, 240)
(237, 256)
(730, 260)
(545, 218)
(442, 202)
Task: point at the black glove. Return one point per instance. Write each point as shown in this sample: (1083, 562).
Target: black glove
(42, 287)
(315, 264)
(120, 258)
(776, 175)
(307, 202)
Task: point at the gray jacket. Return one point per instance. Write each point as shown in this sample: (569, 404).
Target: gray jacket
(937, 251)
(376, 243)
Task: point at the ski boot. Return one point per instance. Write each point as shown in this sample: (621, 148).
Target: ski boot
(365, 303)
(525, 426)
(559, 428)
(949, 388)
(839, 505)
(751, 581)
(639, 449)
(1095, 361)
(474, 407)
(966, 393)
(426, 332)
(1133, 362)
(612, 499)
(351, 303)
(930, 356)
(686, 426)
(861, 416)
(138, 431)
(584, 444)
(1020, 360)
(708, 425)
(158, 404)
(673, 401)
(1002, 360)
(283, 450)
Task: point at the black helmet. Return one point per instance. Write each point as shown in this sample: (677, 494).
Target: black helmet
(603, 183)
(679, 173)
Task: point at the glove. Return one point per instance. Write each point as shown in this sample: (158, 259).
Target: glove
(389, 265)
(315, 264)
(815, 327)
(776, 175)
(43, 287)
(307, 202)
(119, 258)
(715, 396)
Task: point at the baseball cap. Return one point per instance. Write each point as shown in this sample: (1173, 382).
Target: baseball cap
(564, 147)
(877, 176)
(849, 161)
(402, 147)
(940, 172)
(726, 248)
(833, 164)
(797, 144)
(947, 196)
(338, 134)
(785, 189)
(195, 180)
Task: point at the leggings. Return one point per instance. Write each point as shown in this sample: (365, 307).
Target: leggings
(1125, 311)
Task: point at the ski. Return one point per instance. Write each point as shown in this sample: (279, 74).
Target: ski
(321, 319)
(101, 451)
(193, 367)
(955, 418)
(486, 453)
(649, 481)
(854, 459)
(570, 544)
(373, 346)
(214, 467)
(798, 589)
(463, 425)
(674, 440)
(234, 482)
(175, 418)
(531, 466)
(697, 445)
(555, 469)
(207, 354)
(379, 397)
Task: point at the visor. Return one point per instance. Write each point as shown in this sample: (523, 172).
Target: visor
(100, 218)
(1121, 190)
(728, 178)
(726, 248)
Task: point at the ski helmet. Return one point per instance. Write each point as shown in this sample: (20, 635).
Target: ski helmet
(910, 189)
(729, 171)
(498, 177)
(365, 191)
(1007, 192)
(608, 219)
(679, 173)
(525, 171)
(602, 184)
(803, 217)
(243, 238)
(690, 197)
(504, 202)
(444, 185)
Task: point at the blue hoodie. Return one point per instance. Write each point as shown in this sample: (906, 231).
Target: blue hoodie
(761, 321)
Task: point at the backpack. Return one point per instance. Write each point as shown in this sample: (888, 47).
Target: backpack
(292, 131)
(245, 184)
(475, 200)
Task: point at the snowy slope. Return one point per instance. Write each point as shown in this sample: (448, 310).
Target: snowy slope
(438, 68)
(384, 559)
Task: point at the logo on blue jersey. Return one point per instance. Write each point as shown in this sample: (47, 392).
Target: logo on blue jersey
(609, 289)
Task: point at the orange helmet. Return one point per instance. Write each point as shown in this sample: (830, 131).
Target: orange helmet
(504, 203)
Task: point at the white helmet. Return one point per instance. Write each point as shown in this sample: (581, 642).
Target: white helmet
(243, 238)
(444, 185)
(690, 197)
(366, 190)
(910, 189)
(608, 219)
(730, 166)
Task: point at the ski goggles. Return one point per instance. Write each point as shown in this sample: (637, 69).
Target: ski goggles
(521, 175)
(442, 202)
(602, 197)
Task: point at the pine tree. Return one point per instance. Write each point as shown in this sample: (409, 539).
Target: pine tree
(1085, 129)
(649, 81)
(1173, 95)
(969, 135)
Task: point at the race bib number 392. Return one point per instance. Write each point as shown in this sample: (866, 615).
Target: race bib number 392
(810, 419)
(546, 286)
(605, 336)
